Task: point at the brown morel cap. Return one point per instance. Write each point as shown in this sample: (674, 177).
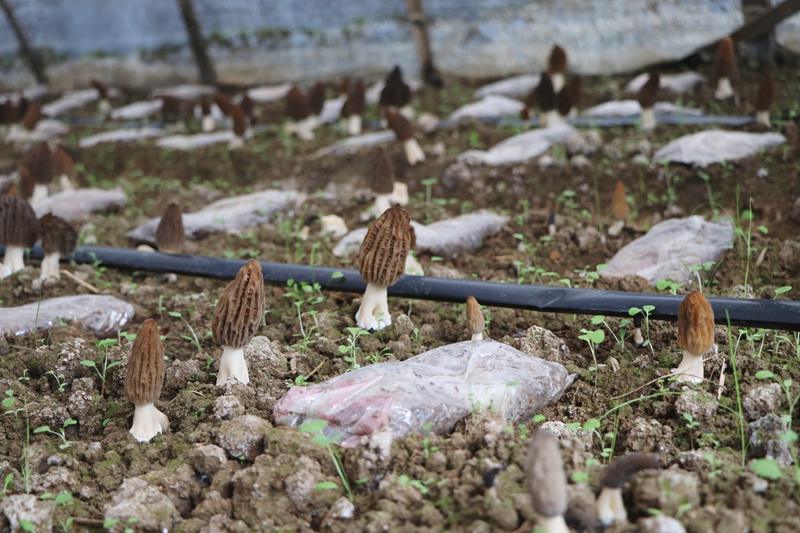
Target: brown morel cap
(544, 470)
(382, 256)
(344, 85)
(575, 90)
(170, 235)
(557, 62)
(205, 106)
(32, 115)
(395, 93)
(766, 93)
(400, 125)
(223, 103)
(475, 320)
(101, 87)
(545, 94)
(316, 98)
(356, 100)
(649, 91)
(65, 164)
(57, 235)
(532, 100)
(621, 470)
(297, 105)
(382, 181)
(695, 324)
(239, 120)
(240, 307)
(25, 189)
(40, 163)
(563, 102)
(146, 365)
(18, 222)
(248, 105)
(619, 204)
(725, 60)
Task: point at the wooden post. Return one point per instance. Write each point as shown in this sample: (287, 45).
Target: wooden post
(28, 52)
(198, 44)
(420, 30)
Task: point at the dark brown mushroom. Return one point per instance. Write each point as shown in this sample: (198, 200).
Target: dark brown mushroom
(547, 482)
(557, 67)
(647, 99)
(475, 320)
(170, 234)
(144, 380)
(396, 93)
(299, 110)
(695, 335)
(723, 67)
(619, 203)
(353, 107)
(18, 230)
(65, 165)
(59, 239)
(316, 98)
(404, 131)
(609, 504)
(765, 96)
(32, 116)
(41, 167)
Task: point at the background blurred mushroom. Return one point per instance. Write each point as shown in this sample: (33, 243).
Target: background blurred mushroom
(41, 168)
(299, 110)
(59, 239)
(546, 97)
(695, 335)
(170, 234)
(619, 210)
(647, 99)
(609, 505)
(143, 382)
(353, 107)
(405, 132)
(557, 67)
(475, 320)
(395, 95)
(723, 67)
(764, 98)
(18, 230)
(104, 105)
(239, 122)
(382, 181)
(547, 482)
(65, 165)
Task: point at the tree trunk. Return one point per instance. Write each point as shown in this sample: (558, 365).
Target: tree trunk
(28, 52)
(198, 44)
(420, 30)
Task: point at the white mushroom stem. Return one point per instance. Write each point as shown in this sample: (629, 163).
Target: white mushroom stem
(610, 507)
(616, 228)
(413, 268)
(691, 368)
(477, 336)
(236, 142)
(354, 125)
(637, 336)
(647, 121)
(573, 112)
(382, 204)
(104, 106)
(551, 229)
(552, 524)
(375, 302)
(232, 365)
(65, 183)
(724, 89)
(558, 81)
(399, 194)
(208, 124)
(762, 117)
(414, 152)
(14, 258)
(148, 422)
(407, 111)
(551, 119)
(39, 193)
(304, 129)
(50, 266)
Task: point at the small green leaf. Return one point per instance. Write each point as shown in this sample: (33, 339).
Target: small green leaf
(766, 468)
(598, 319)
(781, 290)
(591, 424)
(764, 374)
(344, 349)
(70, 422)
(315, 426)
(634, 311)
(46, 496)
(537, 419)
(88, 363)
(327, 485)
(578, 476)
(64, 498)
(41, 429)
(403, 480)
(26, 525)
(337, 275)
(175, 314)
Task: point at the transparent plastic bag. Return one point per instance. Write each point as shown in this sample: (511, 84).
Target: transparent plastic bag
(715, 146)
(101, 314)
(429, 392)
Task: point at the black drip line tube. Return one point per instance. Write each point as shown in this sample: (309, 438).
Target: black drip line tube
(754, 313)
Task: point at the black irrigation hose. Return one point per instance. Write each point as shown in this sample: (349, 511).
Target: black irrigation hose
(770, 314)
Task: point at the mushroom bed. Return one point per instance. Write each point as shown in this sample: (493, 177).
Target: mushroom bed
(225, 465)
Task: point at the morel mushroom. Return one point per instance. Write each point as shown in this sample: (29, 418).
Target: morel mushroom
(557, 67)
(316, 99)
(59, 239)
(475, 320)
(764, 98)
(143, 382)
(64, 168)
(551, 223)
(723, 67)
(609, 505)
(32, 116)
(41, 166)
(239, 119)
(170, 235)
(382, 182)
(413, 267)
(546, 96)
(353, 108)
(18, 224)
(619, 210)
(547, 482)
(695, 335)
(381, 261)
(647, 99)
(405, 132)
(396, 94)
(299, 110)
(563, 106)
(637, 330)
(236, 319)
(208, 124)
(103, 106)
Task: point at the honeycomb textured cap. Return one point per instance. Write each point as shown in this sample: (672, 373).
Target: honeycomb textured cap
(145, 366)
(725, 60)
(65, 164)
(40, 163)
(400, 125)
(557, 62)
(619, 203)
(544, 470)
(170, 235)
(382, 181)
(297, 105)
(18, 222)
(649, 91)
(765, 94)
(695, 324)
(382, 255)
(316, 98)
(621, 470)
(57, 235)
(240, 307)
(475, 320)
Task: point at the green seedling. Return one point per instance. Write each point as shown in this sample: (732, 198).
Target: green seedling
(105, 365)
(349, 349)
(315, 428)
(60, 433)
(593, 338)
(193, 339)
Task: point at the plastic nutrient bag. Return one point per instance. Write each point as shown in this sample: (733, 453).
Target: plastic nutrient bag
(195, 141)
(356, 141)
(670, 247)
(520, 147)
(429, 392)
(515, 86)
(716, 146)
(121, 135)
(674, 83)
(73, 204)
(490, 106)
(630, 108)
(101, 314)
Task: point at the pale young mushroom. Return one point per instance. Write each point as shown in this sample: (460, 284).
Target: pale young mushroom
(547, 482)
(353, 107)
(609, 505)
(299, 110)
(59, 239)
(551, 223)
(764, 98)
(236, 319)
(619, 210)
(647, 99)
(208, 123)
(170, 234)
(381, 261)
(695, 335)
(723, 67)
(405, 132)
(557, 67)
(18, 231)
(637, 330)
(239, 121)
(475, 320)
(316, 99)
(41, 167)
(143, 382)
(65, 165)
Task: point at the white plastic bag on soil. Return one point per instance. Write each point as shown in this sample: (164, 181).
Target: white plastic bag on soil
(357, 141)
(448, 238)
(122, 135)
(663, 251)
(137, 110)
(490, 106)
(193, 142)
(428, 392)
(514, 86)
(715, 146)
(675, 83)
(520, 147)
(73, 204)
(228, 214)
(630, 108)
(101, 314)
(269, 93)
